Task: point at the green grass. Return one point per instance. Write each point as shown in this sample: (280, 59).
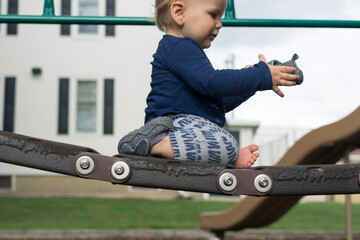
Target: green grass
(75, 213)
(318, 216)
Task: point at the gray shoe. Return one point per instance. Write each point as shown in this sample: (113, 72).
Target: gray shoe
(290, 63)
(140, 141)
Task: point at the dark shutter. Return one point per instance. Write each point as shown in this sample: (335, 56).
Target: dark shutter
(9, 108)
(63, 106)
(109, 106)
(65, 10)
(110, 11)
(13, 10)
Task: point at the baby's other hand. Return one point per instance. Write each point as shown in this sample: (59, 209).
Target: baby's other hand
(280, 76)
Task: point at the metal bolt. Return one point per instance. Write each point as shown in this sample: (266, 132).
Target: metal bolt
(263, 182)
(228, 181)
(85, 164)
(119, 170)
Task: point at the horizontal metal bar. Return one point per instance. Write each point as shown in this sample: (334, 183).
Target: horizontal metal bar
(301, 23)
(228, 22)
(300, 180)
(179, 175)
(155, 172)
(108, 20)
(39, 153)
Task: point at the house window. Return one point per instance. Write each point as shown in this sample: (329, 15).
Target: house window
(86, 106)
(5, 182)
(13, 10)
(236, 135)
(88, 8)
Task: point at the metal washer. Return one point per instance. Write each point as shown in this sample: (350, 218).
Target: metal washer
(260, 188)
(224, 186)
(81, 170)
(124, 175)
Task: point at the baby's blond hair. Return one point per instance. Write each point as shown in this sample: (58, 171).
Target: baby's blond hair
(162, 13)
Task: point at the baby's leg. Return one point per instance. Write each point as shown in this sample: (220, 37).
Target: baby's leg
(247, 156)
(197, 139)
(163, 149)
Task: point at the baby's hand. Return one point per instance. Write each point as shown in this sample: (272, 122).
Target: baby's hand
(280, 76)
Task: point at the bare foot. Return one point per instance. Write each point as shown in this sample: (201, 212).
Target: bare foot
(247, 156)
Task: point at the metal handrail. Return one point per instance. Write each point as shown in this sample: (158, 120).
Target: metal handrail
(106, 20)
(229, 20)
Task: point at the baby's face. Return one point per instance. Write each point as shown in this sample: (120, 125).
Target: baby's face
(202, 20)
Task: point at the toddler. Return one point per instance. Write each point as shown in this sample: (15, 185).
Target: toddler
(186, 106)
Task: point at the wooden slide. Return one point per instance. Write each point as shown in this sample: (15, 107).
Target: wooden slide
(325, 145)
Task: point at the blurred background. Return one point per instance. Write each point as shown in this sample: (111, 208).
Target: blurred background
(87, 84)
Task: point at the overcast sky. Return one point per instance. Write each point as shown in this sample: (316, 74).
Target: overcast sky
(328, 57)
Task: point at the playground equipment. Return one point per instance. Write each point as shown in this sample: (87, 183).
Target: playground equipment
(295, 176)
(322, 146)
(229, 20)
(325, 145)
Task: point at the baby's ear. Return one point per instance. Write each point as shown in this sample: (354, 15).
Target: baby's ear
(178, 13)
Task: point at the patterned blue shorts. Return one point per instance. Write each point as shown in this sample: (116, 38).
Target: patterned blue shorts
(197, 139)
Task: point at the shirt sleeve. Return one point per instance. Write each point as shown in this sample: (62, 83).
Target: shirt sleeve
(188, 61)
(230, 103)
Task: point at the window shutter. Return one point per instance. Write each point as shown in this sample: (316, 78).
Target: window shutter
(9, 108)
(63, 106)
(109, 106)
(110, 11)
(65, 10)
(13, 10)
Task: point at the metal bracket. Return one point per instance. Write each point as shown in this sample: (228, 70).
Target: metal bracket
(245, 182)
(149, 172)
(100, 167)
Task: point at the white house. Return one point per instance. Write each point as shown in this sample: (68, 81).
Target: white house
(58, 80)
(79, 84)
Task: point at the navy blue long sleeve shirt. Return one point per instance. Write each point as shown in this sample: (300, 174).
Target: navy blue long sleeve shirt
(184, 81)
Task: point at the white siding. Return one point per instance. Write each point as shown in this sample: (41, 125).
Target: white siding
(125, 58)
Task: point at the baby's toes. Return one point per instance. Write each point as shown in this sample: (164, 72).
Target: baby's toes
(251, 161)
